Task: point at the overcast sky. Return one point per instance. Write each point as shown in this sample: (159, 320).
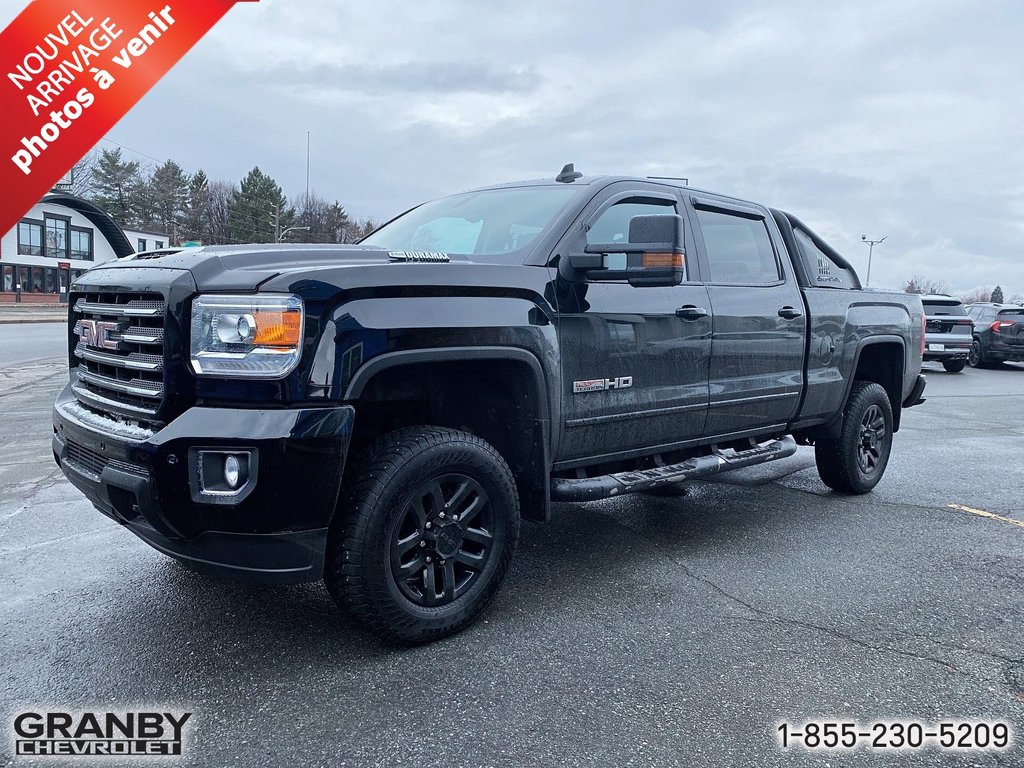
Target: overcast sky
(868, 117)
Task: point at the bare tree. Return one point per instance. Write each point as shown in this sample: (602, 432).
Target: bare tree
(81, 176)
(919, 284)
(322, 221)
(978, 295)
(358, 229)
(216, 227)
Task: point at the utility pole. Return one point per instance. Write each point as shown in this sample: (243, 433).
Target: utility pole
(871, 248)
(307, 167)
(276, 213)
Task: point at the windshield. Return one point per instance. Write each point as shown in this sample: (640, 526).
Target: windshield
(489, 224)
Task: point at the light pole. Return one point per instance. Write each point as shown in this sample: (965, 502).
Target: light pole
(871, 248)
(283, 235)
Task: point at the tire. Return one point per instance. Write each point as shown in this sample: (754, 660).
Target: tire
(397, 560)
(856, 461)
(977, 357)
(954, 366)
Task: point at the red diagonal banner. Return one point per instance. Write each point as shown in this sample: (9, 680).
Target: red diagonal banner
(70, 70)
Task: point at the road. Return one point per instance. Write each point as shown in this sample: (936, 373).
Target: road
(25, 342)
(633, 631)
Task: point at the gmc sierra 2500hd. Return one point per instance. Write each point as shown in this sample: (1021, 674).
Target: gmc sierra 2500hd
(380, 415)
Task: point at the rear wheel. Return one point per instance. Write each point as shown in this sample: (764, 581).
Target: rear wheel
(976, 357)
(425, 534)
(856, 461)
(954, 366)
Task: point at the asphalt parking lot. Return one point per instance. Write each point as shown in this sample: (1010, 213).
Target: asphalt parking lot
(630, 632)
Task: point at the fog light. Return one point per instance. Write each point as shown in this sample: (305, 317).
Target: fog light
(222, 475)
(232, 471)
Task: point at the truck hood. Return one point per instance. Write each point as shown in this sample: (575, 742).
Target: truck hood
(320, 271)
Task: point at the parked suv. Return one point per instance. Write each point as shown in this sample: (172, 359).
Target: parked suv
(998, 334)
(948, 333)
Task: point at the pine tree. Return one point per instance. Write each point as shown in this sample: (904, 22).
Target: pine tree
(117, 183)
(168, 197)
(258, 209)
(326, 222)
(997, 294)
(195, 206)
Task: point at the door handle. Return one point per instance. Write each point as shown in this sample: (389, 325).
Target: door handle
(790, 314)
(691, 312)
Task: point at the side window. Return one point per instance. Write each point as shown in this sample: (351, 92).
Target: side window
(823, 271)
(612, 226)
(739, 249)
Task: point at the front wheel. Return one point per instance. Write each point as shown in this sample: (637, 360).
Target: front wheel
(954, 366)
(424, 535)
(856, 461)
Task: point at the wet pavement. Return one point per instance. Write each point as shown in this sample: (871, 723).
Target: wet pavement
(642, 630)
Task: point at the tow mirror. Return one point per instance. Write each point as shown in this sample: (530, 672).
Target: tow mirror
(652, 256)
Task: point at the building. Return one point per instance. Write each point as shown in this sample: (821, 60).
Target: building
(58, 239)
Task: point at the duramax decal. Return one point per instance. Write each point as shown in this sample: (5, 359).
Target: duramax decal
(418, 256)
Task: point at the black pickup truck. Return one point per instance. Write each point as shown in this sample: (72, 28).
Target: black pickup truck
(381, 415)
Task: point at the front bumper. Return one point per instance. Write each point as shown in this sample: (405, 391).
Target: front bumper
(149, 482)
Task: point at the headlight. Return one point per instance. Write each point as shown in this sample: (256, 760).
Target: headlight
(254, 337)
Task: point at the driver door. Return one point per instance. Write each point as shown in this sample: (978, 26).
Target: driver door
(635, 360)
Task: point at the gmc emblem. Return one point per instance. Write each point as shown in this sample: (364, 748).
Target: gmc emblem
(96, 333)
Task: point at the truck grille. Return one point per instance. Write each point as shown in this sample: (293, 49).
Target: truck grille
(120, 338)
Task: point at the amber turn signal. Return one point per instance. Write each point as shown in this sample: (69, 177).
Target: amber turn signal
(277, 329)
(663, 260)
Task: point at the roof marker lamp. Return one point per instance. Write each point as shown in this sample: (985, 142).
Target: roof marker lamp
(248, 337)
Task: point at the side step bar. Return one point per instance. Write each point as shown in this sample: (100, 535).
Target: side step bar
(604, 486)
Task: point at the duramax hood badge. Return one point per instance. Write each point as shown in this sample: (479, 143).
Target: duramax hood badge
(418, 256)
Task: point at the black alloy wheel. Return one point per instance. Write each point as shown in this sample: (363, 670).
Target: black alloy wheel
(426, 526)
(441, 541)
(974, 357)
(873, 436)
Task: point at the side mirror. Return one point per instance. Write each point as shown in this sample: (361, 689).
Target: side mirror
(653, 255)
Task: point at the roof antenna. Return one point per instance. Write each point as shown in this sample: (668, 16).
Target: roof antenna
(569, 174)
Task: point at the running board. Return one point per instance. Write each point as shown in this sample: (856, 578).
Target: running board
(604, 486)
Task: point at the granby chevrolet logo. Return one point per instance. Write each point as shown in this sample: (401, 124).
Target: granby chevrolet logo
(99, 733)
(97, 333)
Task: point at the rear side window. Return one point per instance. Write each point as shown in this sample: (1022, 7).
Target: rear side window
(739, 249)
(936, 308)
(820, 267)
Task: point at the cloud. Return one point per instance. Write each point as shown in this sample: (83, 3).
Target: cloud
(862, 117)
(432, 77)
